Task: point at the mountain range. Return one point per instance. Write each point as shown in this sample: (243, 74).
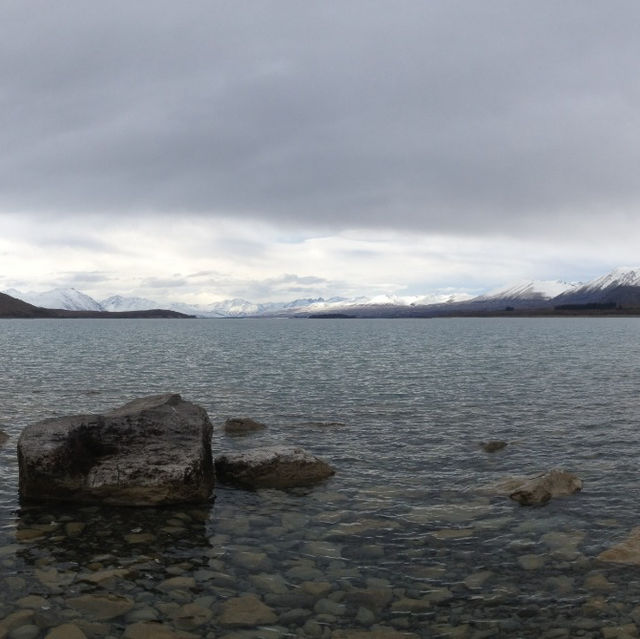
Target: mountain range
(619, 288)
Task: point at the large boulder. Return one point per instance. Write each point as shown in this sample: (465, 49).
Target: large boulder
(272, 467)
(154, 450)
(541, 488)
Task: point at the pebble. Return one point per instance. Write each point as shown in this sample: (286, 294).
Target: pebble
(246, 610)
(598, 581)
(29, 631)
(329, 607)
(178, 583)
(66, 631)
(273, 583)
(531, 562)
(477, 579)
(101, 607)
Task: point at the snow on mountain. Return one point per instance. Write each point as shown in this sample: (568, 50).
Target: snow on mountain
(66, 298)
(621, 276)
(236, 307)
(528, 290)
(120, 303)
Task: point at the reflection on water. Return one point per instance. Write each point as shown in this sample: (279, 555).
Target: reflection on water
(404, 539)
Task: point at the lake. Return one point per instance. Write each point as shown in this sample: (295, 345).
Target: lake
(407, 539)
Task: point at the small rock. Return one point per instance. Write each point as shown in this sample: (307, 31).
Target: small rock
(328, 607)
(28, 631)
(149, 630)
(453, 533)
(541, 488)
(242, 426)
(15, 620)
(365, 616)
(181, 583)
(66, 631)
(100, 576)
(316, 588)
(74, 528)
(477, 579)
(101, 607)
(376, 633)
(270, 583)
(192, 615)
(253, 561)
(531, 562)
(32, 601)
(493, 445)
(272, 467)
(626, 552)
(371, 598)
(598, 581)
(246, 610)
(626, 631)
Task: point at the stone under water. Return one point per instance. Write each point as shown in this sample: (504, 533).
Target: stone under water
(272, 467)
(540, 489)
(154, 450)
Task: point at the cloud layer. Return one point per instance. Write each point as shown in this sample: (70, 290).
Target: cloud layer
(445, 119)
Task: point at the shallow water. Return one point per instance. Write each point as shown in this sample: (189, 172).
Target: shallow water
(403, 537)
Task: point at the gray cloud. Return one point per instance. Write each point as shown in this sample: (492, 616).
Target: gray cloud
(443, 116)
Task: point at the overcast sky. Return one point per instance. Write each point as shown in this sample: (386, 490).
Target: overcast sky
(197, 151)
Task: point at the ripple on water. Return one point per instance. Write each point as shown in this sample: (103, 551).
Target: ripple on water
(401, 538)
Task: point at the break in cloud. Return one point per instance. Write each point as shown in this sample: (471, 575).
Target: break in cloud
(362, 144)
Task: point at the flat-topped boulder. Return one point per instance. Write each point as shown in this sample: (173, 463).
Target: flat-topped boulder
(272, 467)
(153, 450)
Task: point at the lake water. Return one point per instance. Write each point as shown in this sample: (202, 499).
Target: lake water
(405, 539)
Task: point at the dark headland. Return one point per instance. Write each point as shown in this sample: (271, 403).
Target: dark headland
(10, 307)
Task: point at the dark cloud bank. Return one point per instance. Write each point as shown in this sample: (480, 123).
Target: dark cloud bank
(438, 116)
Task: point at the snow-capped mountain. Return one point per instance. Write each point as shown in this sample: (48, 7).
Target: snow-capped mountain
(529, 290)
(119, 303)
(66, 298)
(620, 287)
(621, 276)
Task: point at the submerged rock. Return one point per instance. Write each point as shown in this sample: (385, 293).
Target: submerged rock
(625, 552)
(153, 450)
(242, 426)
(3, 438)
(541, 488)
(272, 467)
(493, 445)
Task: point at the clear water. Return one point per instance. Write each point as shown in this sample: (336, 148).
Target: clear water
(407, 513)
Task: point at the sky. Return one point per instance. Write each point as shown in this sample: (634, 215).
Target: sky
(270, 150)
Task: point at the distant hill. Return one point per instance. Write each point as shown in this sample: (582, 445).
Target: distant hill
(614, 293)
(11, 307)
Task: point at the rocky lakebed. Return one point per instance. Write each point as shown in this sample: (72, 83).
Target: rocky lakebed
(123, 531)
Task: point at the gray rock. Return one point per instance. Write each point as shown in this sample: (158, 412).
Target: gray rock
(153, 450)
(540, 489)
(272, 467)
(493, 445)
(242, 426)
(3, 438)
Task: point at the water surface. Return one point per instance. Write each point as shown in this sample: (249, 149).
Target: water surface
(404, 537)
